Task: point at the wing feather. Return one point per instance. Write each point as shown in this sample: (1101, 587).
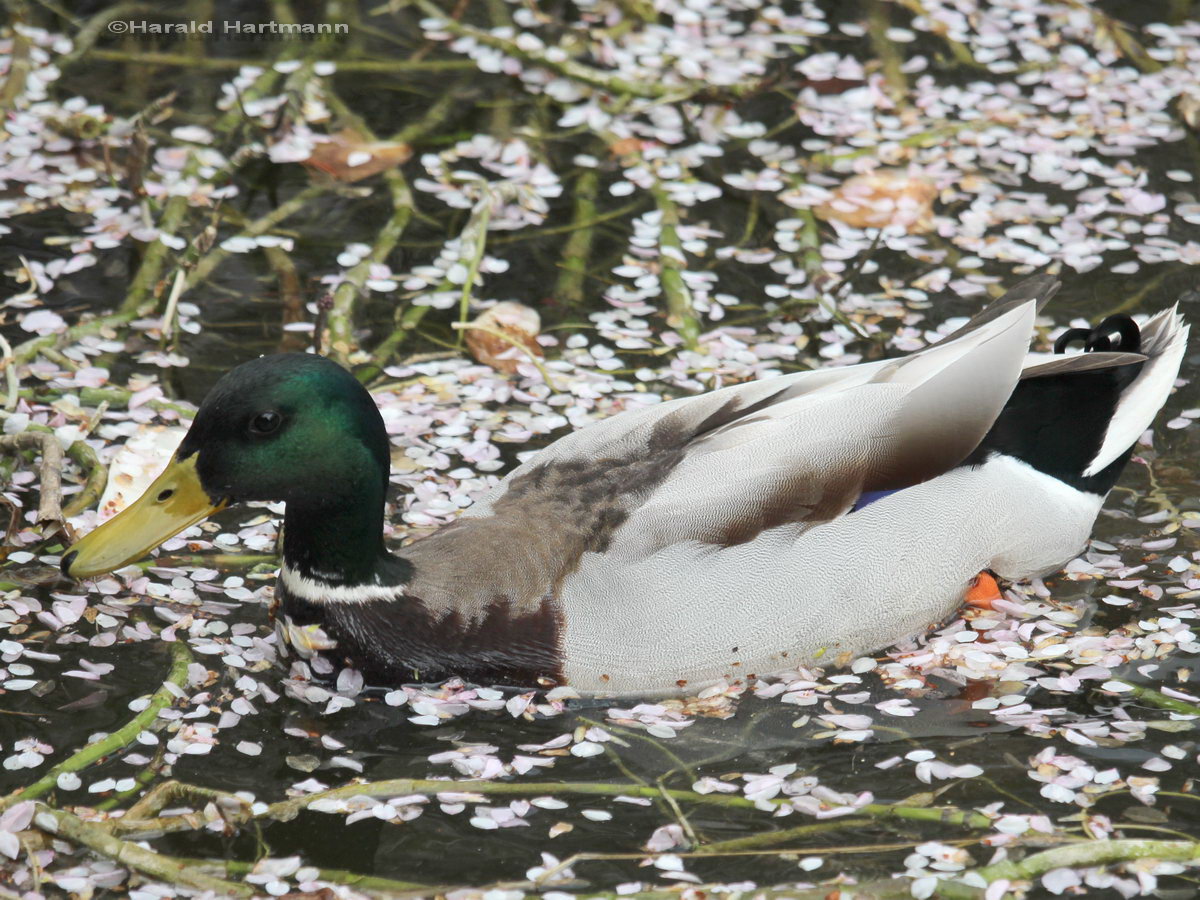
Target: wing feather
(696, 420)
(807, 458)
(721, 468)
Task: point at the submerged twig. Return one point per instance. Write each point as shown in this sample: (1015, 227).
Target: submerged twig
(680, 314)
(578, 247)
(85, 37)
(941, 814)
(398, 787)
(342, 342)
(181, 657)
(1121, 34)
(96, 837)
(921, 139)
(221, 561)
(340, 315)
(849, 850)
(162, 795)
(559, 63)
(27, 350)
(285, 810)
(767, 839)
(1076, 855)
(529, 234)
(230, 63)
(95, 474)
(890, 58)
(290, 296)
(260, 226)
(81, 453)
(20, 59)
(960, 51)
(406, 322)
(1159, 699)
(373, 884)
(49, 473)
(148, 277)
(474, 237)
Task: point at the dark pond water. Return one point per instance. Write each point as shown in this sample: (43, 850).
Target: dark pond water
(241, 312)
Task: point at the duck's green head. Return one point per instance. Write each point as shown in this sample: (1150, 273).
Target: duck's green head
(291, 426)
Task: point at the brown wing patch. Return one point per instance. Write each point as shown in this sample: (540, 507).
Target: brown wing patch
(541, 526)
(732, 414)
(556, 511)
(794, 502)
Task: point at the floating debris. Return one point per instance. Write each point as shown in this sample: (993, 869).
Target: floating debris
(885, 198)
(505, 335)
(740, 190)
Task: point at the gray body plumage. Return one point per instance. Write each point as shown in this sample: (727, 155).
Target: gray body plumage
(713, 537)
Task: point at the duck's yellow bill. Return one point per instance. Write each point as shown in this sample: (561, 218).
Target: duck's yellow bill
(173, 502)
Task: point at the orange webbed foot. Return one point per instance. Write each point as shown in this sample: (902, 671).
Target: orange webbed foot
(982, 591)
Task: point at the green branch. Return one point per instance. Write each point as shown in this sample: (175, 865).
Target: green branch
(205, 265)
(229, 63)
(765, 839)
(165, 868)
(347, 294)
(680, 314)
(578, 247)
(892, 61)
(286, 810)
(341, 315)
(373, 884)
(564, 66)
(181, 657)
(1159, 699)
(1073, 856)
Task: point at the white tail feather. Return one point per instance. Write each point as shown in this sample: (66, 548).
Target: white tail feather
(1164, 339)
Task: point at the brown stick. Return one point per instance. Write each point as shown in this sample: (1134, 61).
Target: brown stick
(291, 297)
(50, 473)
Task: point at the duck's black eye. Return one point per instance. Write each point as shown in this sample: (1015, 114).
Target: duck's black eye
(265, 423)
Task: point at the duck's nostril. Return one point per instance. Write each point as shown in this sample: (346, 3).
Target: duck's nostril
(166, 494)
(65, 565)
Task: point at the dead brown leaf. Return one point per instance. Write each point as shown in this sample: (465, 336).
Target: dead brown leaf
(348, 156)
(500, 336)
(882, 198)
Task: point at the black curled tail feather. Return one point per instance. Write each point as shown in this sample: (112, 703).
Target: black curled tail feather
(1059, 413)
(1117, 332)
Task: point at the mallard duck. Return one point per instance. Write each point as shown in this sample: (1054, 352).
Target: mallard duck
(802, 519)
